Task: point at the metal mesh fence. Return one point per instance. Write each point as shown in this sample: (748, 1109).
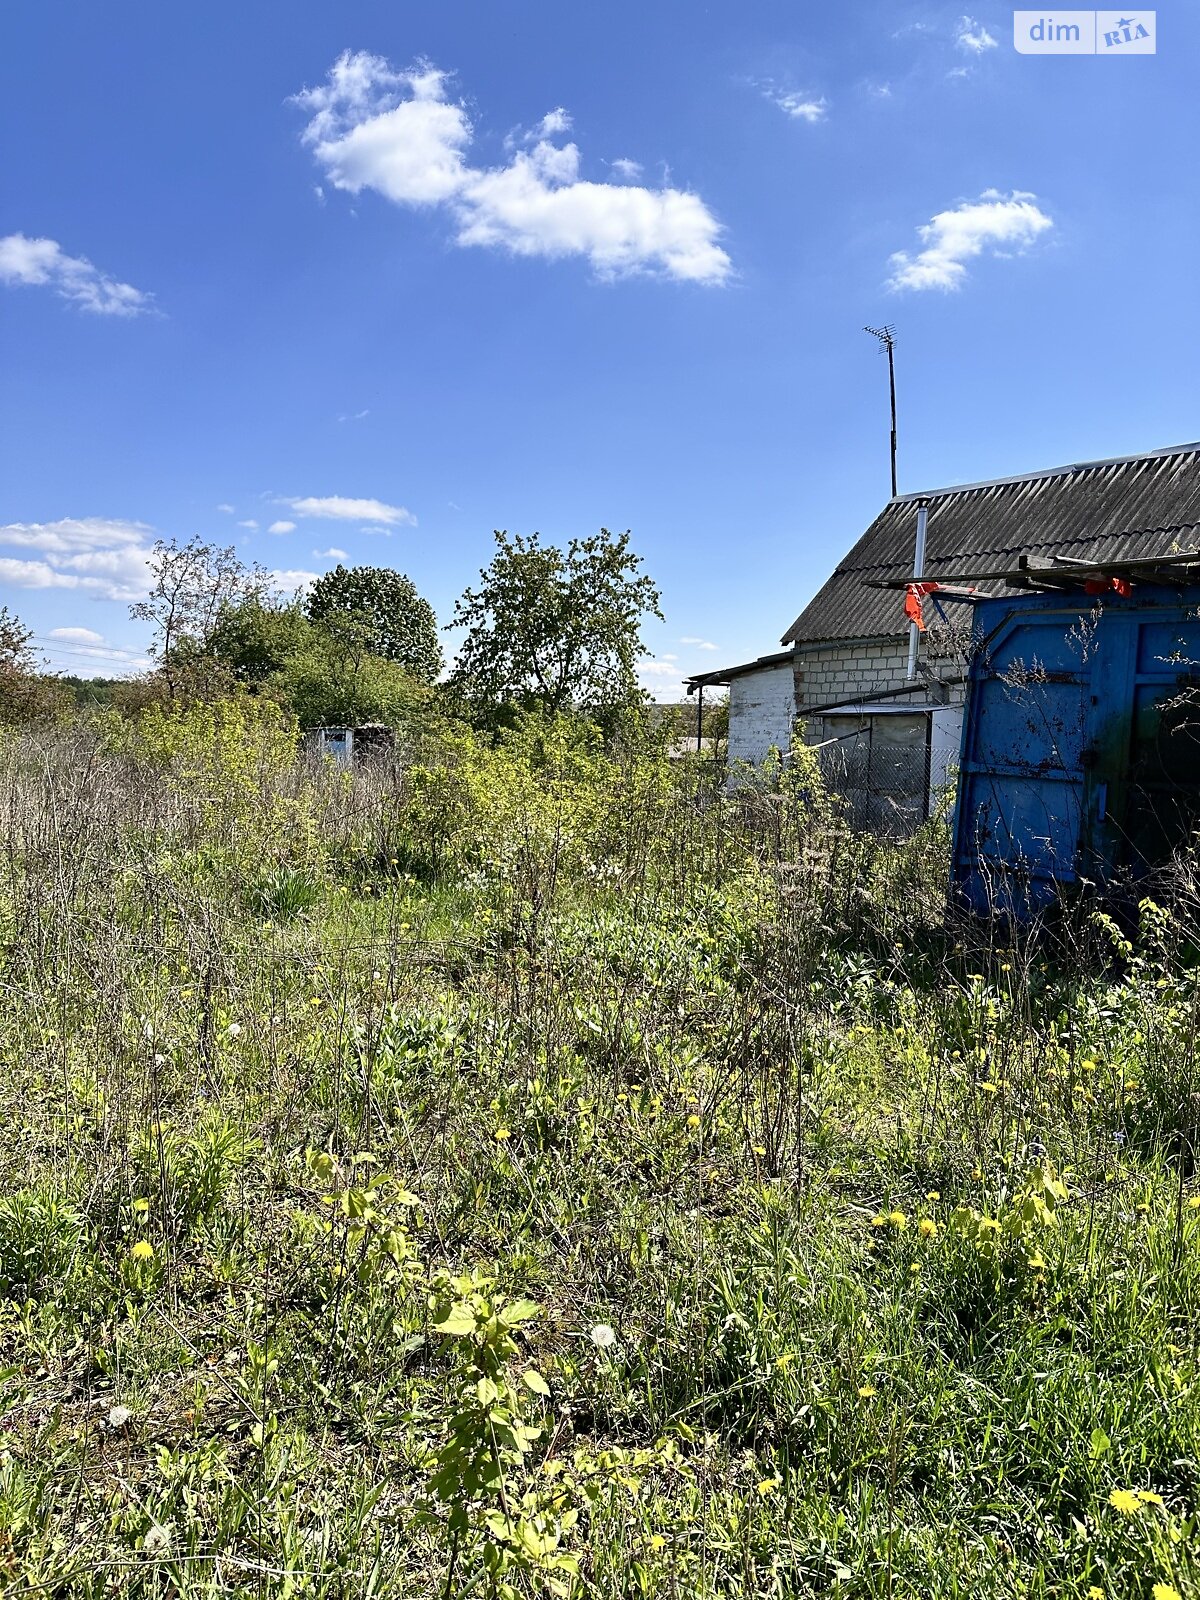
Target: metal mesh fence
(887, 770)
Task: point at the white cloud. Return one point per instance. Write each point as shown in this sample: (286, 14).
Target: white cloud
(973, 37)
(291, 581)
(83, 643)
(339, 508)
(249, 523)
(226, 508)
(624, 168)
(804, 107)
(104, 557)
(662, 680)
(355, 416)
(72, 534)
(43, 263)
(332, 554)
(76, 636)
(1002, 224)
(371, 127)
(282, 527)
(699, 644)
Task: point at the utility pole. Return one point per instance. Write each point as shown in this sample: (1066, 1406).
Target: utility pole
(887, 341)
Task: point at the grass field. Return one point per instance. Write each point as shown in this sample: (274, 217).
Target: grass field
(529, 1172)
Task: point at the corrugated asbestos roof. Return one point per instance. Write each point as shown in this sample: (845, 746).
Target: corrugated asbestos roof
(723, 675)
(1097, 510)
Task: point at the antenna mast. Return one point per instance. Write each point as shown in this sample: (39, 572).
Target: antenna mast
(887, 342)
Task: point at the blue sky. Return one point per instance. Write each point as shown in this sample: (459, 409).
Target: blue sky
(555, 267)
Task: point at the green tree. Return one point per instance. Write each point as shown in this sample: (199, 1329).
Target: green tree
(257, 638)
(554, 631)
(25, 694)
(193, 586)
(334, 680)
(400, 624)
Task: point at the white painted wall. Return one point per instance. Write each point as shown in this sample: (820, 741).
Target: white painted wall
(762, 708)
(944, 744)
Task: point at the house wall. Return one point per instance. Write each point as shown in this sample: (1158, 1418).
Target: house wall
(762, 710)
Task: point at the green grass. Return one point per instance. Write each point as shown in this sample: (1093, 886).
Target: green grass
(488, 1184)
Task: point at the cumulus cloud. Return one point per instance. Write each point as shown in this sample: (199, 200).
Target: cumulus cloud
(249, 523)
(998, 223)
(98, 555)
(76, 636)
(226, 508)
(42, 263)
(399, 134)
(699, 644)
(625, 168)
(340, 508)
(804, 107)
(85, 643)
(294, 581)
(282, 527)
(973, 37)
(332, 554)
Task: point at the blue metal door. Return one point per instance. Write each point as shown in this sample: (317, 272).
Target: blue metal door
(1081, 744)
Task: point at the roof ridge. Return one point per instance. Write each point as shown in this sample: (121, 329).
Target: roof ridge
(1191, 448)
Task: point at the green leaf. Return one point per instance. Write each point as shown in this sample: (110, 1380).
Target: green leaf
(1101, 1444)
(457, 1323)
(534, 1380)
(519, 1311)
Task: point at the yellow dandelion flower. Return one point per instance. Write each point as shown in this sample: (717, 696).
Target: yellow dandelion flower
(693, 1121)
(927, 1228)
(1149, 1498)
(988, 1088)
(143, 1250)
(1194, 1203)
(915, 1268)
(897, 1220)
(1124, 1501)
(501, 1134)
(867, 1391)
(1165, 1591)
(141, 1207)
(934, 1194)
(1095, 1592)
(879, 1220)
(768, 1486)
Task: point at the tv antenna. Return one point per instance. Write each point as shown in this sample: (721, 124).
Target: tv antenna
(887, 342)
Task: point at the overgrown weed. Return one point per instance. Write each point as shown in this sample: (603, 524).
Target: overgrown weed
(527, 1169)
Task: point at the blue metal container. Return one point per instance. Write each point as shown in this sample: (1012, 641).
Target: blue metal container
(1080, 757)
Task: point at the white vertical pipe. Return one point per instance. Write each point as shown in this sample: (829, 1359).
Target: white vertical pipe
(914, 633)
